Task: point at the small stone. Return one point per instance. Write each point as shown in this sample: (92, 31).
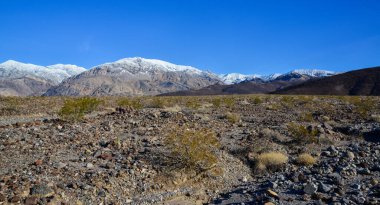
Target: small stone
(38, 162)
(15, 199)
(60, 165)
(90, 166)
(102, 193)
(356, 186)
(41, 191)
(272, 185)
(324, 187)
(272, 193)
(106, 156)
(374, 181)
(269, 203)
(2, 198)
(310, 188)
(350, 155)
(31, 201)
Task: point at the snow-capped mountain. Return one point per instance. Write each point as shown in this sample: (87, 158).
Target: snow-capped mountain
(22, 79)
(314, 72)
(135, 76)
(53, 73)
(233, 78)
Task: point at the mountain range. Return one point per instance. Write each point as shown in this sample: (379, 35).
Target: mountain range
(139, 76)
(21, 79)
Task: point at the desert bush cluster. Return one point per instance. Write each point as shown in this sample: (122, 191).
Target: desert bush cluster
(192, 149)
(75, 109)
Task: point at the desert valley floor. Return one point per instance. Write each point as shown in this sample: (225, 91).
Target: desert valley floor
(248, 149)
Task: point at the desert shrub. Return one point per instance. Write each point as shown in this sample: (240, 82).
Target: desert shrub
(302, 134)
(193, 103)
(229, 102)
(233, 117)
(307, 117)
(287, 99)
(306, 160)
(270, 161)
(364, 105)
(216, 102)
(274, 107)
(158, 102)
(130, 103)
(257, 100)
(75, 109)
(192, 149)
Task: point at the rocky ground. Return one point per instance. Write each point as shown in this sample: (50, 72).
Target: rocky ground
(119, 156)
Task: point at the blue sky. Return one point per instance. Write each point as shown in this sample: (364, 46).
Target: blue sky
(245, 36)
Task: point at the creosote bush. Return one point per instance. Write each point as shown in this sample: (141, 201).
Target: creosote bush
(270, 161)
(192, 149)
(75, 109)
(134, 103)
(306, 160)
(302, 134)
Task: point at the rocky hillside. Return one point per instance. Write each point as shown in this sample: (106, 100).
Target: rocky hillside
(20, 79)
(358, 82)
(134, 77)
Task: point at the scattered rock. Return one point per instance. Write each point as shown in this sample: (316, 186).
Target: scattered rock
(310, 188)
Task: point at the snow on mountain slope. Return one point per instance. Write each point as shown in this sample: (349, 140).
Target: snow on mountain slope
(314, 72)
(233, 78)
(55, 73)
(142, 65)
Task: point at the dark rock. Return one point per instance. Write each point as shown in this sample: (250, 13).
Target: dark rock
(41, 191)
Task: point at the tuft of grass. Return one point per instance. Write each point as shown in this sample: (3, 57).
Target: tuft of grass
(270, 161)
(75, 109)
(233, 117)
(193, 149)
(306, 160)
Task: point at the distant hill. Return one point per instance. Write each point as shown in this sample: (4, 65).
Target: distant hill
(357, 82)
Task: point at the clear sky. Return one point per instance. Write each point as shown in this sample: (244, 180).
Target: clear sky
(245, 36)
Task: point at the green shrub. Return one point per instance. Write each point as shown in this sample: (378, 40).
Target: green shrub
(257, 100)
(193, 103)
(229, 102)
(158, 102)
(233, 117)
(307, 117)
(75, 109)
(193, 149)
(301, 134)
(130, 103)
(216, 102)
